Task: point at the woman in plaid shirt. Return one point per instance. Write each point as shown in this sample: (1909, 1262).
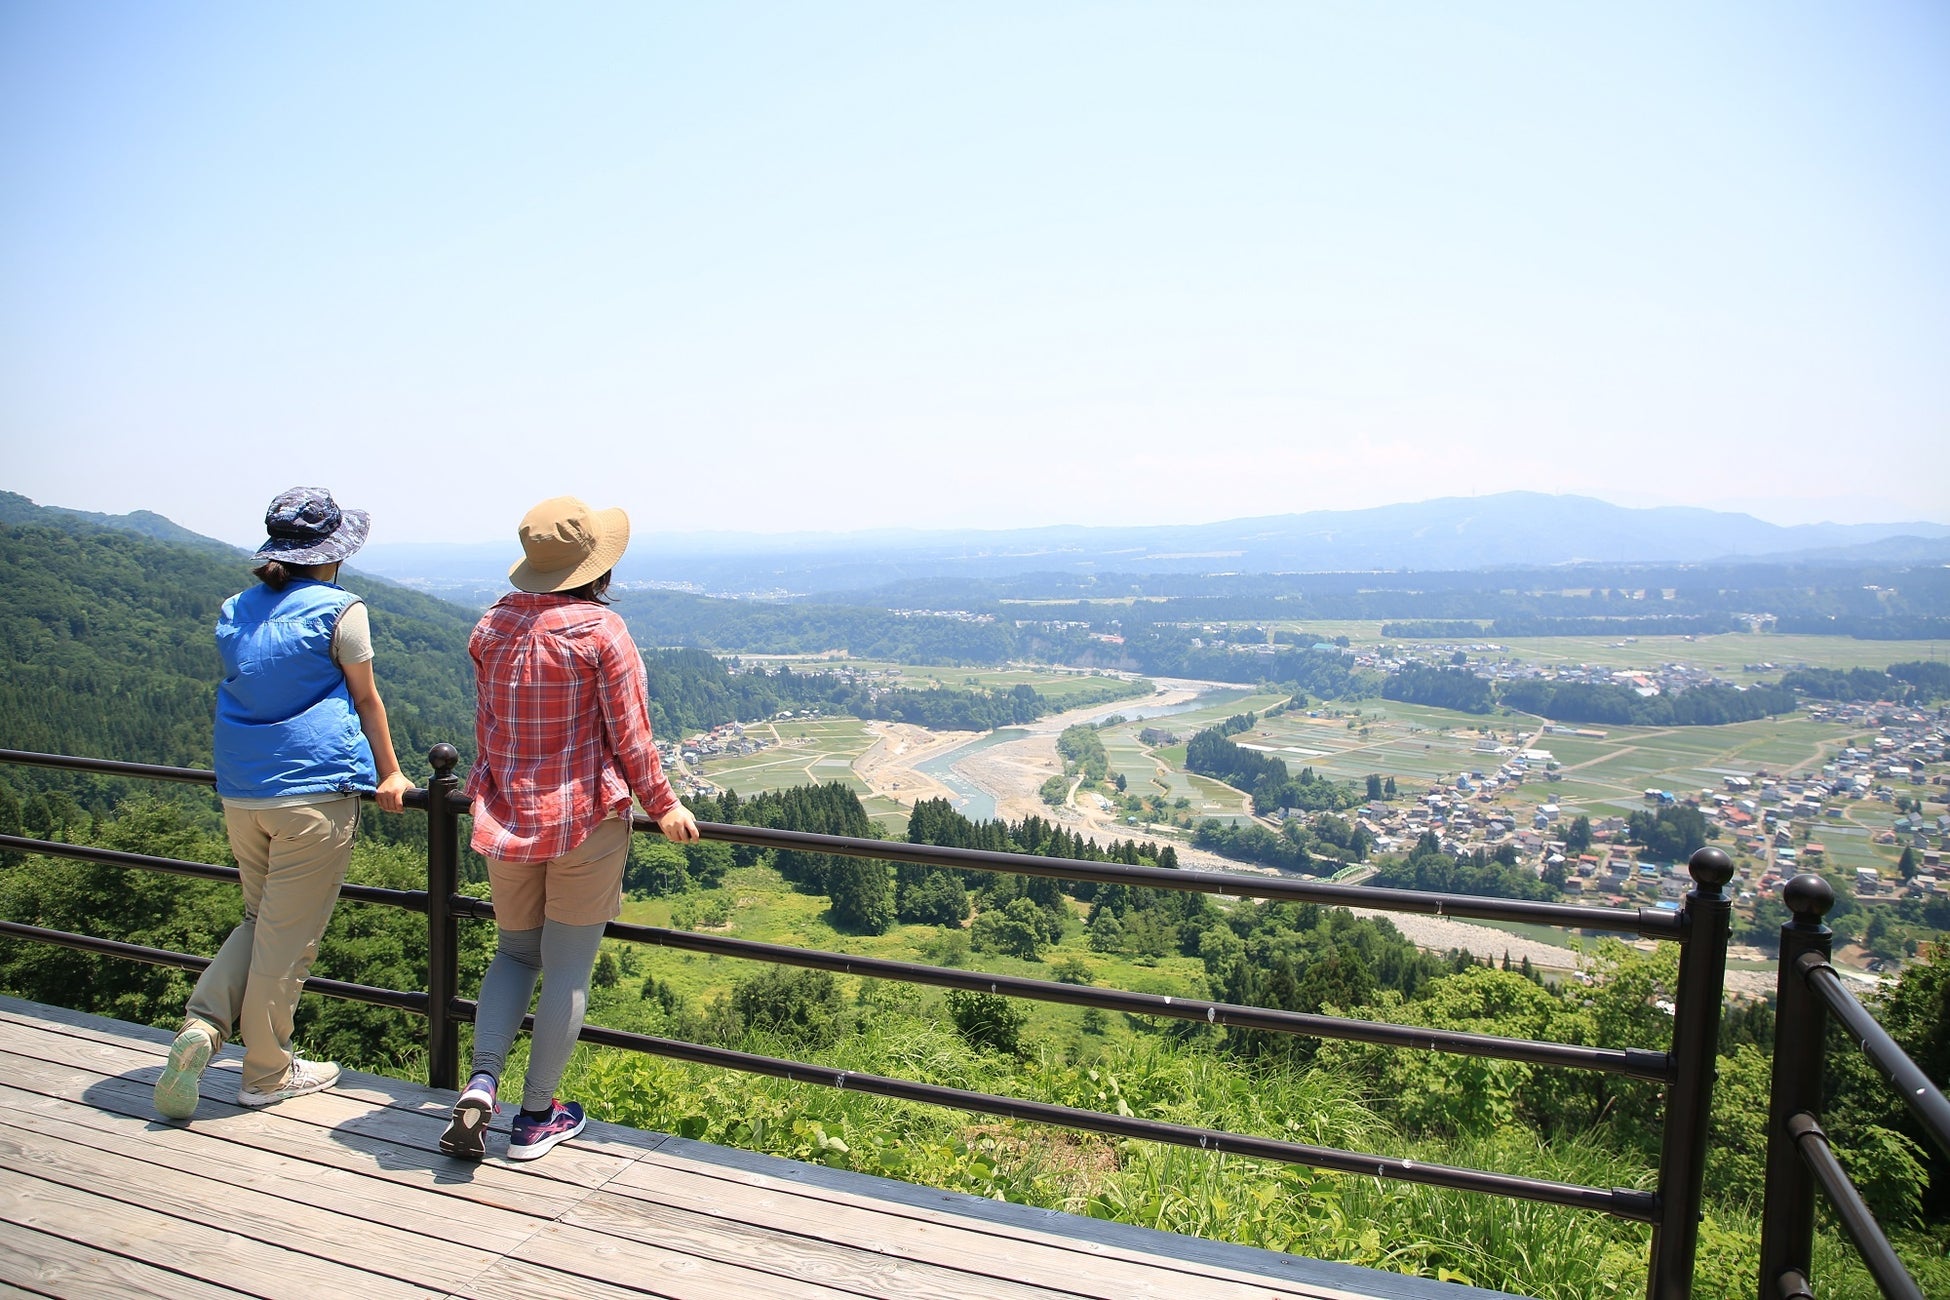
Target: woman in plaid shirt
(562, 730)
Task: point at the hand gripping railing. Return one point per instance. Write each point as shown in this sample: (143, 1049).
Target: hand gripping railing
(1686, 1071)
(1798, 1155)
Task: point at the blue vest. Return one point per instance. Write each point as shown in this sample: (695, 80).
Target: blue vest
(285, 721)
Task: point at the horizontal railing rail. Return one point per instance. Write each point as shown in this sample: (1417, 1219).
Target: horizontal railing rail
(1800, 1160)
(1630, 1062)
(1701, 929)
(154, 772)
(1924, 1099)
(109, 767)
(1878, 1256)
(412, 900)
(404, 1000)
(1646, 923)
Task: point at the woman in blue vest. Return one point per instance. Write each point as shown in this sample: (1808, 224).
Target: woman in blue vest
(300, 734)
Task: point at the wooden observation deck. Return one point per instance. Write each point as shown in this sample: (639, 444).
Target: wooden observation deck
(342, 1196)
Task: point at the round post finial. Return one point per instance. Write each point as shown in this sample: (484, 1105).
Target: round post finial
(1809, 897)
(444, 757)
(1711, 868)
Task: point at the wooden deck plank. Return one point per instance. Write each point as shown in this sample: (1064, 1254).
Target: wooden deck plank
(36, 1263)
(379, 1091)
(292, 1219)
(356, 1194)
(369, 1105)
(1045, 1247)
(970, 1248)
(665, 1272)
(255, 1267)
(412, 1256)
(719, 1232)
(272, 1129)
(373, 1088)
(519, 1279)
(402, 1138)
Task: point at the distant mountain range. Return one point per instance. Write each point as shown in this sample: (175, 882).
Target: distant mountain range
(1510, 529)
(1454, 533)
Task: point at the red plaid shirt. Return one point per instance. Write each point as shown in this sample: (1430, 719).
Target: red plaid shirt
(562, 727)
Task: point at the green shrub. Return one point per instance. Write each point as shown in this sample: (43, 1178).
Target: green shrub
(988, 1021)
(802, 1006)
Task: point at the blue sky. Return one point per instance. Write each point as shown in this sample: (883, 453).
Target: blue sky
(780, 267)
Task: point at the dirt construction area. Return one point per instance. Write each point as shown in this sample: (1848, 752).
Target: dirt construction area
(891, 766)
(1012, 772)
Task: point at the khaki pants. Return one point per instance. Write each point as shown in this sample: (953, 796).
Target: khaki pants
(291, 862)
(582, 887)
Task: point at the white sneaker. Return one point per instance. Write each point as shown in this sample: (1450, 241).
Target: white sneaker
(301, 1078)
(176, 1090)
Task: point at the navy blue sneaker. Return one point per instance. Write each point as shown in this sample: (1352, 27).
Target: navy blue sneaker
(535, 1138)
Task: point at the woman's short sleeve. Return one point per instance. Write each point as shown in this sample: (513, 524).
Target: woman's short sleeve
(352, 635)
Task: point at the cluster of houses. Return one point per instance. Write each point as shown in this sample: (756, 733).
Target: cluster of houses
(1464, 826)
(957, 615)
(1772, 818)
(1462, 823)
(1665, 679)
(683, 759)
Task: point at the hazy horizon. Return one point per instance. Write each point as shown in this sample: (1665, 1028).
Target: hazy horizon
(250, 537)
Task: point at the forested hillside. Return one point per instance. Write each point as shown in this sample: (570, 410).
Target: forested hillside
(17, 509)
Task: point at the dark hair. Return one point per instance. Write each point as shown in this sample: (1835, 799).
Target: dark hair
(596, 589)
(276, 574)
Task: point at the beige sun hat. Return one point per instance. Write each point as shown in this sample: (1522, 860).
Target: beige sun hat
(565, 544)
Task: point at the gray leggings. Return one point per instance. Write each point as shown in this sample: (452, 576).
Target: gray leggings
(562, 957)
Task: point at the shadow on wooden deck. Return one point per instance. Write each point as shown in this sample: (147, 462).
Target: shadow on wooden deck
(342, 1194)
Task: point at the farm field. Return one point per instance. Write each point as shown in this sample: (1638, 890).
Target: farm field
(1611, 775)
(808, 751)
(1414, 743)
(1152, 772)
(1161, 771)
(1726, 654)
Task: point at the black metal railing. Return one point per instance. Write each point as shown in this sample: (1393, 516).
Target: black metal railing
(1701, 927)
(1798, 1155)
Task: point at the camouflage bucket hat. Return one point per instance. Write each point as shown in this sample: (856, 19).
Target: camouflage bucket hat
(308, 527)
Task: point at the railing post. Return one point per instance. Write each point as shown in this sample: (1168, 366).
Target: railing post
(443, 929)
(1697, 1003)
(1787, 1219)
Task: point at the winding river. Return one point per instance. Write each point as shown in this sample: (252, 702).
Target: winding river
(977, 803)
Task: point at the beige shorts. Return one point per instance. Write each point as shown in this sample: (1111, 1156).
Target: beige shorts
(582, 887)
